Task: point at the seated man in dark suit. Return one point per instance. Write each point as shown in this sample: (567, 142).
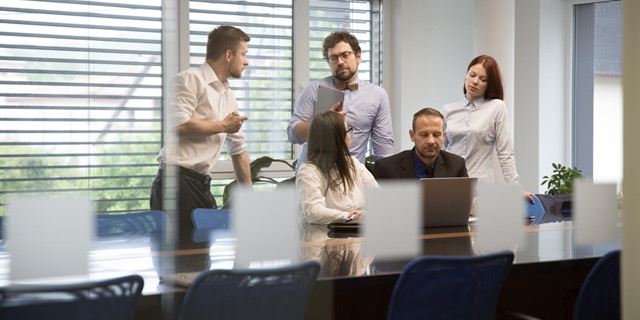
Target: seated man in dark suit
(425, 160)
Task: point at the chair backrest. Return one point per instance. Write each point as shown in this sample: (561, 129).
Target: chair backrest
(210, 218)
(280, 293)
(599, 296)
(131, 223)
(109, 299)
(441, 287)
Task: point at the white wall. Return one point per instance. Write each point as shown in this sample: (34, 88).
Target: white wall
(541, 134)
(431, 44)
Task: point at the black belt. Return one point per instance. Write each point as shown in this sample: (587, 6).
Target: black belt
(191, 173)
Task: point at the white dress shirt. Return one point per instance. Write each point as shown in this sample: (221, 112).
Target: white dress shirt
(322, 207)
(201, 95)
(473, 129)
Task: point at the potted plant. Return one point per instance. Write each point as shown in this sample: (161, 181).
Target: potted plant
(561, 181)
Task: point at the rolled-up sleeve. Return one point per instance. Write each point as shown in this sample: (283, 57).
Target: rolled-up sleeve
(185, 99)
(382, 130)
(236, 143)
(303, 111)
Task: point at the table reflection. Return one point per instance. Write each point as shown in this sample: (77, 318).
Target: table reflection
(338, 258)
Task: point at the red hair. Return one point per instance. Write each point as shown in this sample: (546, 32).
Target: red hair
(494, 79)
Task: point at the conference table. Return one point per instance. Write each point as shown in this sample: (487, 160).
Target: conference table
(548, 270)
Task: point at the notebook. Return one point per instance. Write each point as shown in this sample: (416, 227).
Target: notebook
(446, 201)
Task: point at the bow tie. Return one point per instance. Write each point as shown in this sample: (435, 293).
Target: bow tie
(342, 86)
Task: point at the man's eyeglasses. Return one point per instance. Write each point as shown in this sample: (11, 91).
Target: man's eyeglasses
(345, 56)
(349, 130)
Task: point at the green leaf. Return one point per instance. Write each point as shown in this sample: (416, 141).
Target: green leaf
(561, 181)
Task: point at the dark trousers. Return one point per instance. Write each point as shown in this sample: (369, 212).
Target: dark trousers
(193, 191)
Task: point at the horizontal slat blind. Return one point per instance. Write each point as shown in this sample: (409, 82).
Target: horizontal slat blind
(80, 98)
(264, 92)
(327, 16)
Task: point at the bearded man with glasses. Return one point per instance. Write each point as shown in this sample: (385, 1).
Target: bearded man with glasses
(366, 106)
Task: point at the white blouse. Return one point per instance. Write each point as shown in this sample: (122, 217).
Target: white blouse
(473, 129)
(321, 204)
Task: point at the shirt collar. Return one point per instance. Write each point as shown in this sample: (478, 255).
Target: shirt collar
(473, 103)
(212, 79)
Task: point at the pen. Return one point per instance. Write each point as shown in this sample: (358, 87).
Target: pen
(348, 220)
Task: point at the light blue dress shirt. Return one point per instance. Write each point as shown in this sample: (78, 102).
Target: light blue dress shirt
(368, 113)
(474, 129)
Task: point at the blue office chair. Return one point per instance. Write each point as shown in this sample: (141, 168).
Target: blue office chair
(210, 218)
(280, 293)
(109, 299)
(599, 296)
(439, 287)
(210, 224)
(131, 223)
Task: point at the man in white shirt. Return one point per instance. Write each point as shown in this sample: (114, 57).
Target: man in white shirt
(206, 114)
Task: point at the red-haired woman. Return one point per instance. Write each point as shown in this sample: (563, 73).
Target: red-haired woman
(331, 183)
(479, 123)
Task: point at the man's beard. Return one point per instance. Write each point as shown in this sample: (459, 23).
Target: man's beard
(426, 156)
(347, 77)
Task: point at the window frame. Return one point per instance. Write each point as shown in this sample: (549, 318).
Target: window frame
(581, 121)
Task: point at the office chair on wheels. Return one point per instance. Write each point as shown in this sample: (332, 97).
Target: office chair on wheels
(108, 299)
(280, 293)
(599, 296)
(441, 287)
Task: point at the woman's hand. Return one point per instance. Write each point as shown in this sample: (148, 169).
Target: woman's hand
(530, 196)
(355, 215)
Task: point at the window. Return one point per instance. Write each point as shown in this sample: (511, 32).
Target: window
(80, 100)
(81, 88)
(357, 17)
(597, 97)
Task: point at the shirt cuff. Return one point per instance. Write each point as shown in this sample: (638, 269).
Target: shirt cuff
(291, 133)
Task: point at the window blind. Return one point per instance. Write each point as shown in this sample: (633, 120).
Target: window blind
(80, 96)
(357, 17)
(264, 92)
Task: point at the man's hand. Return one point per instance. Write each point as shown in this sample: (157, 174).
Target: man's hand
(233, 122)
(338, 108)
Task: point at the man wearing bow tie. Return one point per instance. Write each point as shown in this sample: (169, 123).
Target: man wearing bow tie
(366, 106)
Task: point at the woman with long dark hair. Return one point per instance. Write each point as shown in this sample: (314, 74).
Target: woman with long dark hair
(331, 183)
(479, 123)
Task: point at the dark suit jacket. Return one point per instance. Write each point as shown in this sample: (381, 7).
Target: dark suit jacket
(402, 166)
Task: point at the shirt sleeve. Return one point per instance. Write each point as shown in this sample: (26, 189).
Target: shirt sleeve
(382, 130)
(446, 137)
(303, 111)
(504, 147)
(185, 97)
(236, 143)
(310, 186)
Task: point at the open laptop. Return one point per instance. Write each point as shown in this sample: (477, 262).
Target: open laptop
(446, 201)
